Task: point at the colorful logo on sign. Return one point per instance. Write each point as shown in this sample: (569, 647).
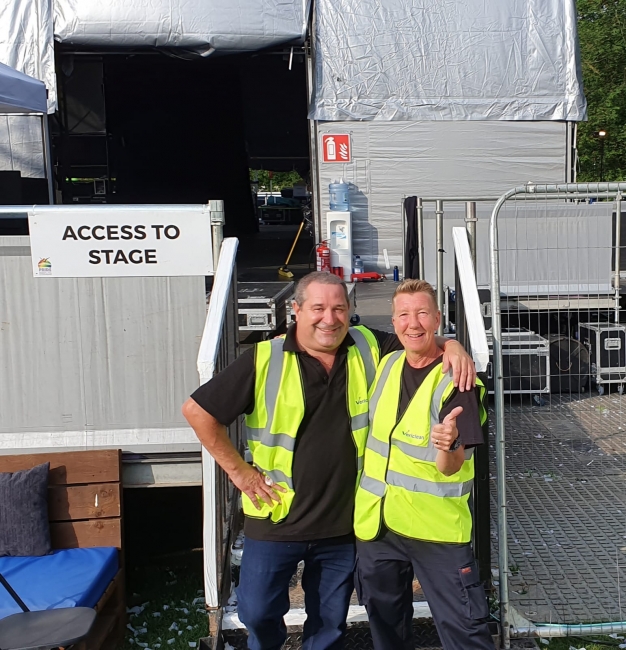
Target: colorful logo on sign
(45, 266)
(336, 148)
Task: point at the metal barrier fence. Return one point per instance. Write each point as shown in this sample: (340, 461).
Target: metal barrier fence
(559, 369)
(220, 498)
(433, 269)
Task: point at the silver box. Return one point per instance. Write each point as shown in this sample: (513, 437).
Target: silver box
(261, 305)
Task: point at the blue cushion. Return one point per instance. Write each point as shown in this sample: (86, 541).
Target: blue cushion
(75, 577)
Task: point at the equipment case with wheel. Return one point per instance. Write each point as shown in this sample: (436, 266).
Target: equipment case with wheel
(261, 305)
(606, 343)
(525, 361)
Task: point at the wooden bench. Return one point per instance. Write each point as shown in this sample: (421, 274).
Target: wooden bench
(85, 511)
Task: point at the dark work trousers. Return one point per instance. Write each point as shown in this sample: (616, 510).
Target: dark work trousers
(449, 578)
(263, 591)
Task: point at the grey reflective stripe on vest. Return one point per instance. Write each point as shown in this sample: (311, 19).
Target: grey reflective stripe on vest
(359, 463)
(373, 485)
(271, 439)
(428, 453)
(277, 476)
(391, 359)
(422, 486)
(366, 354)
(435, 410)
(435, 403)
(374, 444)
(359, 421)
(272, 386)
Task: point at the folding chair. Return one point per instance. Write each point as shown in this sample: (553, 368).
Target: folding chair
(43, 630)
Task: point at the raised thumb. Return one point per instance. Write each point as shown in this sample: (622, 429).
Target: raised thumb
(453, 415)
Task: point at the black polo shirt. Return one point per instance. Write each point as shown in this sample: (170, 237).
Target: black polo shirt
(324, 463)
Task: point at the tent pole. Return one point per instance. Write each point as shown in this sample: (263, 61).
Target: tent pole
(47, 156)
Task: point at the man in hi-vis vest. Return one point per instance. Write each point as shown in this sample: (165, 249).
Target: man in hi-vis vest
(411, 512)
(305, 400)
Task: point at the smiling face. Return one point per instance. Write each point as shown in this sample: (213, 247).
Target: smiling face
(415, 321)
(323, 318)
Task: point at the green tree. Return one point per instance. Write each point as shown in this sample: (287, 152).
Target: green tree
(602, 36)
(279, 180)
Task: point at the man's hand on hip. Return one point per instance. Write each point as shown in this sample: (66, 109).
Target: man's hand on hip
(255, 485)
(214, 438)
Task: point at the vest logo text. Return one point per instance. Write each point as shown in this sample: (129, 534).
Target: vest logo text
(415, 436)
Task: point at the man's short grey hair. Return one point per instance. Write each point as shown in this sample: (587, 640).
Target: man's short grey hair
(321, 277)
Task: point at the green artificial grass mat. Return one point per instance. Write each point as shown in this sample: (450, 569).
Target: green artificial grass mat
(165, 603)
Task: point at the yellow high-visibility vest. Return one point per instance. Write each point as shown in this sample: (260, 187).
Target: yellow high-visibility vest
(400, 484)
(279, 405)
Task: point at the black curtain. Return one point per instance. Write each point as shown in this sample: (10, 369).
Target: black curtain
(411, 251)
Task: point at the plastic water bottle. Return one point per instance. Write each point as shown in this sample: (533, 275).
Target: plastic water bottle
(236, 553)
(358, 265)
(339, 197)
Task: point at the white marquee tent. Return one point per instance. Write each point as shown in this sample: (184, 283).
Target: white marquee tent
(23, 95)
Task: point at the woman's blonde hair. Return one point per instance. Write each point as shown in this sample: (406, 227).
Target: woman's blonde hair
(411, 286)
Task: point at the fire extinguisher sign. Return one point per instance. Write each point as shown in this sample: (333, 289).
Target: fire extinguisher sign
(336, 148)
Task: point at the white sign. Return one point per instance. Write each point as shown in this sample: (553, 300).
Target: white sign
(111, 242)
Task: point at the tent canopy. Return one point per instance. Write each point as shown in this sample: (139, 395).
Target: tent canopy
(20, 93)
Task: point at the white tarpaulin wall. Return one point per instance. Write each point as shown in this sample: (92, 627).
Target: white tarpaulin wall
(26, 28)
(447, 60)
(21, 146)
(546, 247)
(203, 26)
(391, 160)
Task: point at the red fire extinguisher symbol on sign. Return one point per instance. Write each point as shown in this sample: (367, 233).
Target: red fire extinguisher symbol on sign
(336, 148)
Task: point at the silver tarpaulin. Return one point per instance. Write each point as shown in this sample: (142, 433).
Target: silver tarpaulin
(471, 158)
(203, 26)
(447, 60)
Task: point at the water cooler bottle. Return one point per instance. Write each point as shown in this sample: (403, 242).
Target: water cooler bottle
(339, 227)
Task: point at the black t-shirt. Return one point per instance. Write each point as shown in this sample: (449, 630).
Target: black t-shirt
(468, 423)
(324, 463)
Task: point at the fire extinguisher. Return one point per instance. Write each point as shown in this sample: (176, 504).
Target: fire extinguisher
(322, 256)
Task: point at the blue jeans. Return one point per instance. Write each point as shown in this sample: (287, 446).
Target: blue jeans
(263, 591)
